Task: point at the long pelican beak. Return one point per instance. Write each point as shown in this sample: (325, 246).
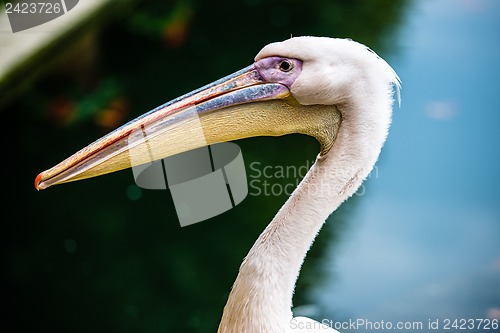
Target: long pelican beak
(240, 105)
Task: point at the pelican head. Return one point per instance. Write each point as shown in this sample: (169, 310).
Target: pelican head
(336, 90)
(296, 86)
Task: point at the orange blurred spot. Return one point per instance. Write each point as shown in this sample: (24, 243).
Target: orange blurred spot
(62, 110)
(494, 313)
(175, 34)
(496, 265)
(175, 31)
(114, 115)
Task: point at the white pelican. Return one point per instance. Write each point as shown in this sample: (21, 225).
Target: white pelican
(337, 90)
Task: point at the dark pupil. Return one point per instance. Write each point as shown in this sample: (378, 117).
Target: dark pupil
(285, 66)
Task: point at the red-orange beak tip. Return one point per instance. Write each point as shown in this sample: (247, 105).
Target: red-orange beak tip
(37, 181)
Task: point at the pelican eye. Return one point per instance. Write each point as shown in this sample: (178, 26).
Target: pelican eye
(285, 65)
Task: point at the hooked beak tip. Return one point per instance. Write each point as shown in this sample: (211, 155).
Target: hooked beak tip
(37, 181)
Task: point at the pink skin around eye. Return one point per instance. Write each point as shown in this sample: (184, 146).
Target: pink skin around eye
(269, 70)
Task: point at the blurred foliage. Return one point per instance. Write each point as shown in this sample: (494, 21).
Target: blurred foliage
(104, 255)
